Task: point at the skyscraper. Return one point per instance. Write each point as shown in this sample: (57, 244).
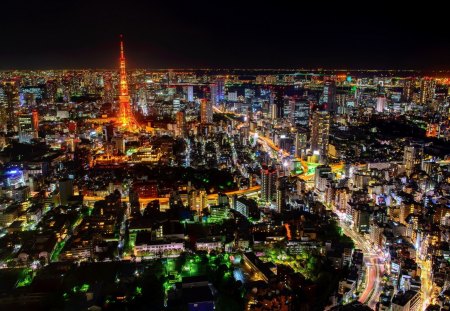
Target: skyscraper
(427, 90)
(65, 190)
(279, 102)
(9, 105)
(181, 121)
(190, 93)
(329, 96)
(321, 174)
(220, 90)
(206, 111)
(268, 184)
(300, 142)
(281, 193)
(28, 126)
(408, 90)
(176, 105)
(412, 158)
(320, 130)
(381, 103)
(300, 112)
(273, 111)
(213, 91)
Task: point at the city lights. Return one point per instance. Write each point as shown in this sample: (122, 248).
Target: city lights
(224, 157)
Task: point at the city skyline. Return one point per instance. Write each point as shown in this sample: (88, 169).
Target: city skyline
(219, 188)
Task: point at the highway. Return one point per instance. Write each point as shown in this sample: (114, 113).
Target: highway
(374, 262)
(89, 200)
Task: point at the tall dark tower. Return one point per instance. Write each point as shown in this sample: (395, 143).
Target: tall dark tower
(279, 102)
(9, 105)
(329, 96)
(268, 184)
(126, 117)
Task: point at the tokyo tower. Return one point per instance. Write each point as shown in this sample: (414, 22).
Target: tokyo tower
(126, 117)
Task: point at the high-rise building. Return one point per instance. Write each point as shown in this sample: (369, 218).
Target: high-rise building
(321, 174)
(408, 90)
(232, 96)
(28, 126)
(119, 142)
(213, 91)
(206, 112)
(288, 105)
(409, 300)
(329, 96)
(9, 105)
(427, 90)
(181, 123)
(35, 122)
(268, 184)
(3, 104)
(381, 103)
(320, 130)
(190, 93)
(176, 105)
(279, 102)
(281, 193)
(65, 190)
(223, 199)
(412, 158)
(197, 200)
(300, 143)
(135, 205)
(220, 90)
(300, 112)
(273, 111)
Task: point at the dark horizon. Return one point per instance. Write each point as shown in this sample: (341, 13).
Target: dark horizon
(158, 35)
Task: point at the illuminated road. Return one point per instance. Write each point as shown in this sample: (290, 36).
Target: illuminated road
(374, 267)
(252, 191)
(427, 285)
(306, 175)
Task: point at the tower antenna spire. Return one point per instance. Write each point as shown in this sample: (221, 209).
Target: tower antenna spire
(122, 56)
(126, 116)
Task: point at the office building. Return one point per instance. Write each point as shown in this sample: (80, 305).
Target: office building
(300, 142)
(427, 90)
(321, 175)
(190, 93)
(213, 91)
(329, 96)
(28, 126)
(278, 100)
(268, 184)
(281, 193)
(320, 130)
(299, 112)
(232, 96)
(407, 301)
(381, 103)
(220, 91)
(206, 112)
(9, 105)
(176, 105)
(181, 123)
(65, 190)
(408, 90)
(412, 158)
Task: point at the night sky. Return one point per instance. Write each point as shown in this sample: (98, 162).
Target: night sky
(225, 34)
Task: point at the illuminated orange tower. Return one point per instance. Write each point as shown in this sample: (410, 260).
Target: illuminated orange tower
(126, 117)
